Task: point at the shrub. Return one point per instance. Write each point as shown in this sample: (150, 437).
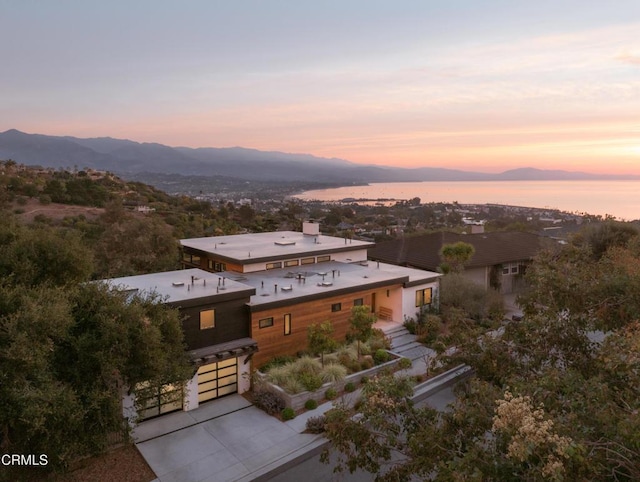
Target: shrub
(331, 358)
(410, 324)
(292, 385)
(331, 393)
(268, 401)
(347, 352)
(460, 292)
(379, 340)
(278, 375)
(364, 380)
(310, 381)
(405, 363)
(45, 199)
(429, 329)
(495, 305)
(288, 414)
(307, 365)
(381, 356)
(22, 201)
(311, 404)
(277, 361)
(365, 348)
(349, 387)
(366, 363)
(316, 424)
(333, 373)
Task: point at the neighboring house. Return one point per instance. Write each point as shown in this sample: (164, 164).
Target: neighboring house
(500, 259)
(247, 298)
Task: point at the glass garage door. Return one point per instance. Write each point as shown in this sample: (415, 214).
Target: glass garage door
(217, 379)
(154, 401)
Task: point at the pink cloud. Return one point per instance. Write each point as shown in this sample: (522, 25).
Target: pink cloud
(629, 59)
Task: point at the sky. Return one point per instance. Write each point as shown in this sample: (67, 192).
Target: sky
(463, 84)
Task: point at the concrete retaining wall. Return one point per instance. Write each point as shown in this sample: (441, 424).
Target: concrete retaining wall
(298, 400)
(444, 380)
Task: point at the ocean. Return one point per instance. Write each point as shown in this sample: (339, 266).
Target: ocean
(620, 199)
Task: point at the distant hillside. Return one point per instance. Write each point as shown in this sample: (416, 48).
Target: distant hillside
(129, 157)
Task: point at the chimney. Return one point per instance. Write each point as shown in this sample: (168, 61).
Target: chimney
(310, 228)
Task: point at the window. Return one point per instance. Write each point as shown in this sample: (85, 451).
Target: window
(207, 319)
(336, 307)
(190, 258)
(423, 297)
(275, 265)
(322, 259)
(287, 324)
(510, 268)
(216, 266)
(265, 322)
(358, 302)
(307, 260)
(210, 264)
(293, 262)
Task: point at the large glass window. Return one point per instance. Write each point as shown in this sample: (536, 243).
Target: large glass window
(275, 265)
(423, 297)
(207, 319)
(291, 262)
(307, 260)
(322, 259)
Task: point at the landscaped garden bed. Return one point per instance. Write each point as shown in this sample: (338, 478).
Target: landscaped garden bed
(306, 378)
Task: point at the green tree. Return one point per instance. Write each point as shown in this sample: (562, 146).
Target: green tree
(41, 254)
(455, 255)
(68, 347)
(547, 402)
(135, 245)
(600, 237)
(361, 323)
(320, 338)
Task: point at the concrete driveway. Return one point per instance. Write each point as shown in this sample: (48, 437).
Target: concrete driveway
(223, 440)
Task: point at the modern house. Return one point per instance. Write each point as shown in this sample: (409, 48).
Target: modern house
(500, 259)
(247, 298)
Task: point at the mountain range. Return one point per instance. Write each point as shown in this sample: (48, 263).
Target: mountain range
(128, 157)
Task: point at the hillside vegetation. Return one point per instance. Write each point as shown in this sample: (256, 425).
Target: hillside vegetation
(128, 227)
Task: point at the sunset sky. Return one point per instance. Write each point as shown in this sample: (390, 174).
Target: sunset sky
(474, 85)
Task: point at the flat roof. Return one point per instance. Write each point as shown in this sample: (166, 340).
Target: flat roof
(177, 286)
(247, 248)
(323, 280)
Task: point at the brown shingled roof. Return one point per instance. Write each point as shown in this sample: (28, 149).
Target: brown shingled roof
(490, 249)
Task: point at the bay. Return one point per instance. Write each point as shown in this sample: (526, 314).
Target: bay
(620, 199)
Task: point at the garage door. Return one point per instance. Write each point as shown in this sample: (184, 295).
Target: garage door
(154, 401)
(217, 379)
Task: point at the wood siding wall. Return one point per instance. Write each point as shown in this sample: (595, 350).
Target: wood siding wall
(272, 340)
